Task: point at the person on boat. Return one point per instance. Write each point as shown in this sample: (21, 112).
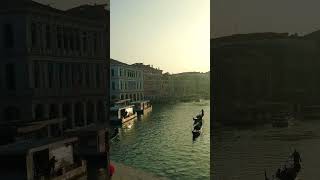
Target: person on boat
(296, 156)
(278, 173)
(52, 163)
(265, 175)
(202, 112)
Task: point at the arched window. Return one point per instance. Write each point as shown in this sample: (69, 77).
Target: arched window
(90, 113)
(100, 111)
(11, 114)
(66, 111)
(39, 112)
(79, 118)
(53, 111)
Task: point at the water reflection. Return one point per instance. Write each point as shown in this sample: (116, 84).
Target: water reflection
(260, 148)
(161, 142)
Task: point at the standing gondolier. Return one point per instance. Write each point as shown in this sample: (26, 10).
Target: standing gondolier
(296, 159)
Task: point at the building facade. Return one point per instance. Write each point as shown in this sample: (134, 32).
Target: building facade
(166, 90)
(191, 84)
(255, 69)
(152, 81)
(53, 63)
(126, 82)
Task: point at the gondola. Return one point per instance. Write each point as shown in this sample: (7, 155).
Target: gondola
(290, 170)
(197, 129)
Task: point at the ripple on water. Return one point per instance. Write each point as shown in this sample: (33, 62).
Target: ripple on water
(162, 143)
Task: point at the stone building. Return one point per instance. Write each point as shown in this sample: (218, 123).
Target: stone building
(191, 84)
(126, 81)
(53, 63)
(152, 80)
(255, 69)
(166, 90)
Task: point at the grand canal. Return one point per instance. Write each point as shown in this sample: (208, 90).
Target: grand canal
(161, 142)
(244, 154)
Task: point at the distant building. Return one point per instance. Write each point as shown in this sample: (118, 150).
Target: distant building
(126, 82)
(166, 89)
(252, 72)
(152, 80)
(53, 63)
(191, 84)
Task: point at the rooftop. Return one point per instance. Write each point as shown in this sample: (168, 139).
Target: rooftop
(91, 12)
(23, 147)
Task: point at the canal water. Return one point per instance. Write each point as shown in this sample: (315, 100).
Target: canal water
(244, 154)
(161, 142)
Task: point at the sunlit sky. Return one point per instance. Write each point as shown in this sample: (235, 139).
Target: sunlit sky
(173, 35)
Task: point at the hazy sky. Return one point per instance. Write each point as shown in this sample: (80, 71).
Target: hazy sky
(173, 35)
(245, 16)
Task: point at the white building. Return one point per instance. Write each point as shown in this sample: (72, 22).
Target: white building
(53, 63)
(126, 82)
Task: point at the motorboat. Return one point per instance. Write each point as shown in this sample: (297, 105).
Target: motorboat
(142, 107)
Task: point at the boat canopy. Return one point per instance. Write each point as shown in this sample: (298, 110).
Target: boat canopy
(117, 108)
(140, 102)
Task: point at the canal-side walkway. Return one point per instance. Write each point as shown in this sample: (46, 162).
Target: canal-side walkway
(123, 172)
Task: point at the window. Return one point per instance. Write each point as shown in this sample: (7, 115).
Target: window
(61, 75)
(95, 42)
(113, 85)
(120, 72)
(10, 76)
(59, 37)
(67, 76)
(48, 37)
(73, 74)
(87, 75)
(79, 72)
(77, 40)
(98, 75)
(8, 36)
(65, 38)
(84, 41)
(36, 74)
(71, 34)
(50, 75)
(112, 72)
(33, 35)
